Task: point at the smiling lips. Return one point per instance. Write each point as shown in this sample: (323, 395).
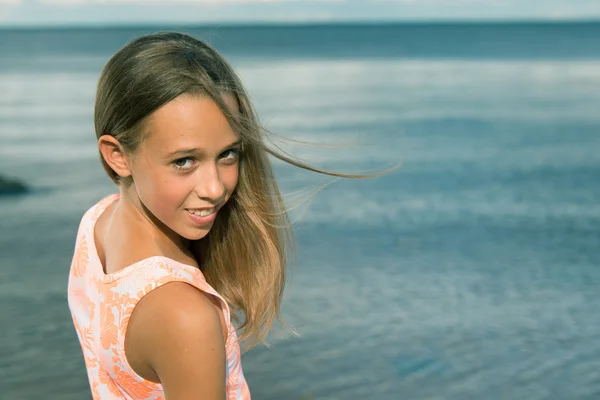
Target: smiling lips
(204, 212)
(202, 216)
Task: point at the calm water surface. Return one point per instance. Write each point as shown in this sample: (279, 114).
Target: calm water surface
(472, 272)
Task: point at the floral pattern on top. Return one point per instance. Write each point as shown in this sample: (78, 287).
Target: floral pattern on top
(101, 306)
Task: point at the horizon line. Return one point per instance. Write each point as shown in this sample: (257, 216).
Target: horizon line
(307, 23)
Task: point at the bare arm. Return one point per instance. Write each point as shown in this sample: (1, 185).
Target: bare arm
(175, 336)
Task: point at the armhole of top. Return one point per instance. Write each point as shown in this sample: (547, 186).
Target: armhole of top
(215, 299)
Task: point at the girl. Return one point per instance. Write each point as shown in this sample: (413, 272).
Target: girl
(195, 240)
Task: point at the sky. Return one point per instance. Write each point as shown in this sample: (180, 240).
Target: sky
(109, 12)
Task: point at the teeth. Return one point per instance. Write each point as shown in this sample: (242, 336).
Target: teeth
(202, 213)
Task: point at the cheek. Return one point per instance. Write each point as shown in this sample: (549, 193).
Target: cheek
(230, 179)
(173, 190)
(158, 189)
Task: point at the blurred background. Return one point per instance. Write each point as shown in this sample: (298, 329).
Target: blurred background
(472, 272)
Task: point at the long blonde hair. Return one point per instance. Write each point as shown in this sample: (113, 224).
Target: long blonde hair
(244, 255)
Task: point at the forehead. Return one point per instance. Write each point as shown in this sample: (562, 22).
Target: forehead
(191, 121)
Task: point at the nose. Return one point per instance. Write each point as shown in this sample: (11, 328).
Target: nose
(209, 186)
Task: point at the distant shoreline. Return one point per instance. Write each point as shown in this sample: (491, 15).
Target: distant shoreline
(306, 24)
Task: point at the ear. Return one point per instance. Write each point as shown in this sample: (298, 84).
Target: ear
(114, 155)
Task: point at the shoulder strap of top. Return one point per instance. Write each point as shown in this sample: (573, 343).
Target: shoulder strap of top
(122, 295)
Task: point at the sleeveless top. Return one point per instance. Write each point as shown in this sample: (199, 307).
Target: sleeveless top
(101, 305)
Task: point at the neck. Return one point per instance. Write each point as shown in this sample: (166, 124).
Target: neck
(133, 210)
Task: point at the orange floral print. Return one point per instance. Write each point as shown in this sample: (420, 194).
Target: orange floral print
(107, 381)
(101, 306)
(109, 330)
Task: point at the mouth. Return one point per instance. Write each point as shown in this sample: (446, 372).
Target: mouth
(204, 212)
(203, 216)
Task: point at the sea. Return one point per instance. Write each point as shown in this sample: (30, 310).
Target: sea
(470, 272)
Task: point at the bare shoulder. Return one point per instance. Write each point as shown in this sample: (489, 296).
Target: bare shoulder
(175, 337)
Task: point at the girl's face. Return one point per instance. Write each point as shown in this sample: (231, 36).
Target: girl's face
(187, 167)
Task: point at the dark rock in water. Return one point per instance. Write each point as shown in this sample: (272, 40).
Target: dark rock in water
(11, 186)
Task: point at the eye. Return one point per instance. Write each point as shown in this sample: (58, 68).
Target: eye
(183, 163)
(230, 155)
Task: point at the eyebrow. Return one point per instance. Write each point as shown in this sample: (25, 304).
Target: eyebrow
(195, 150)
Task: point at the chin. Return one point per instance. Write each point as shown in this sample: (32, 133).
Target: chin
(195, 235)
